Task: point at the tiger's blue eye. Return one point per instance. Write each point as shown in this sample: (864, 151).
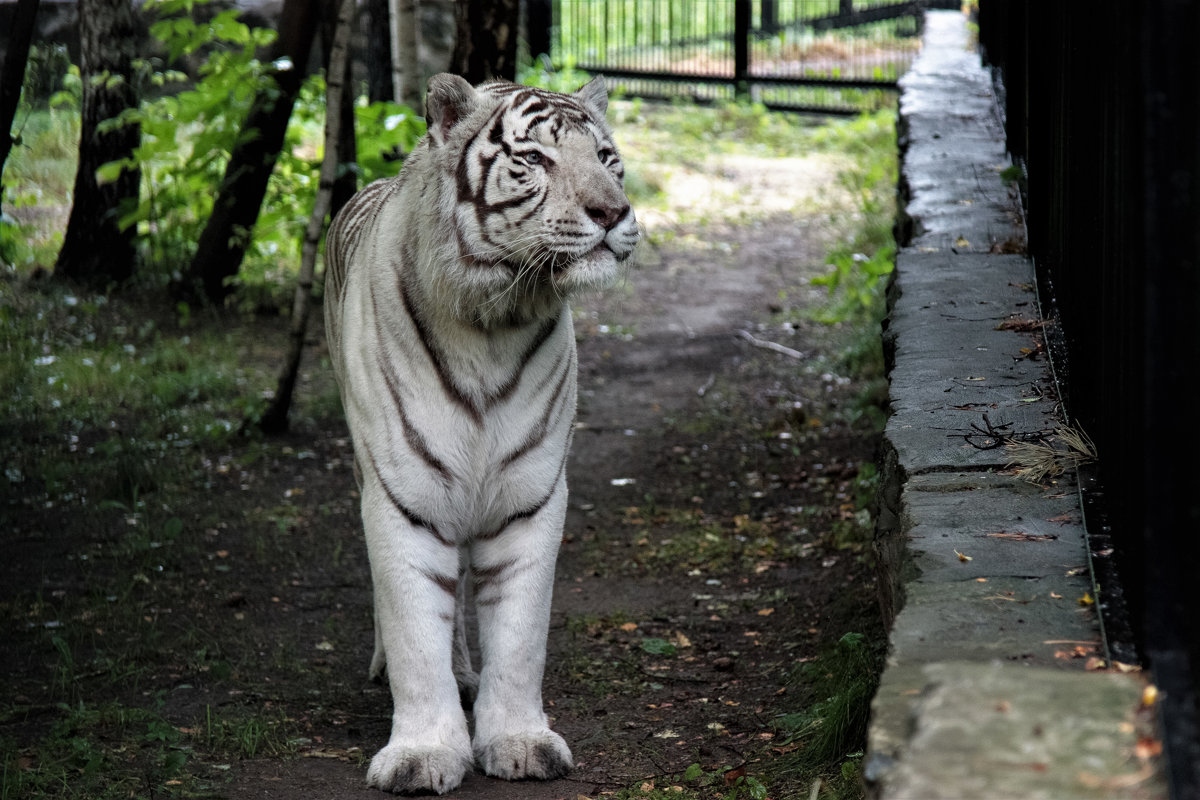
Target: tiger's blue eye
(605, 154)
(532, 157)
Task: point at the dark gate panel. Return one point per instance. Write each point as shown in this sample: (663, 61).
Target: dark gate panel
(1101, 107)
(833, 56)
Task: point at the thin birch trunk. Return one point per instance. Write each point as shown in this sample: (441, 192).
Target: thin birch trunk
(406, 62)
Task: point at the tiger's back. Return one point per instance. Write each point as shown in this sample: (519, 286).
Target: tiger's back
(448, 328)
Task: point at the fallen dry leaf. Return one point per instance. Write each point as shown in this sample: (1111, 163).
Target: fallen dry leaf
(1021, 536)
(962, 557)
(1021, 325)
(1117, 781)
(732, 775)
(1148, 747)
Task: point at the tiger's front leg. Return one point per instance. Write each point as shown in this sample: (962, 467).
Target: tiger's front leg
(415, 573)
(514, 575)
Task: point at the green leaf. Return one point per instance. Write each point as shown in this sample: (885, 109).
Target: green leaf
(110, 171)
(658, 647)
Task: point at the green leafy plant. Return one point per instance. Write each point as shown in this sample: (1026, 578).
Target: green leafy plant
(538, 72)
(860, 266)
(190, 128)
(187, 131)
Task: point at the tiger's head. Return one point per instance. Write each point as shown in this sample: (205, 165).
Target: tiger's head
(534, 188)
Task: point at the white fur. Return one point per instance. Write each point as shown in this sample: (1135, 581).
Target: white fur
(432, 518)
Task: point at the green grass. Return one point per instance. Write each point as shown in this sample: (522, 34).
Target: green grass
(102, 751)
(246, 735)
(830, 730)
(684, 539)
(110, 750)
(100, 399)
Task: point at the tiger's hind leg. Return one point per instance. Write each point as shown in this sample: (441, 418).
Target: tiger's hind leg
(377, 672)
(514, 576)
(464, 673)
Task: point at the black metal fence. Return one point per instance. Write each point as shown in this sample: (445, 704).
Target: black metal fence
(1101, 103)
(831, 56)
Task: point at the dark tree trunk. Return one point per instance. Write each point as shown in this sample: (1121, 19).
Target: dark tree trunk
(379, 50)
(222, 244)
(538, 20)
(12, 76)
(275, 418)
(95, 250)
(485, 44)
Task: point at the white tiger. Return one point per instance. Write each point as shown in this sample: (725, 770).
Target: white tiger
(452, 343)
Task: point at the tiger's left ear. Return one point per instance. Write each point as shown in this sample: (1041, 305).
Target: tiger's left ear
(449, 99)
(595, 95)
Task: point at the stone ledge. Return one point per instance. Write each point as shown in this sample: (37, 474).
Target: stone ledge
(985, 692)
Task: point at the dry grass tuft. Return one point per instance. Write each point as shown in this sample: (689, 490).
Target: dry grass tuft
(1069, 448)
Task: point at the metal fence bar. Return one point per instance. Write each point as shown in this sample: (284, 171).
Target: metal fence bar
(829, 55)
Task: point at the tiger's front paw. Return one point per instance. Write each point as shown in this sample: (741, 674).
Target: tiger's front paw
(538, 754)
(409, 770)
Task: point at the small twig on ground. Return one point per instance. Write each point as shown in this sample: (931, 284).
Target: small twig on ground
(997, 435)
(772, 346)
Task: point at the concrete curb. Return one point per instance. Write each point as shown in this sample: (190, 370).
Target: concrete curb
(990, 688)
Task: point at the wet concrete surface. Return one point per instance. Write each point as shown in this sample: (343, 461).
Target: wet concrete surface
(998, 682)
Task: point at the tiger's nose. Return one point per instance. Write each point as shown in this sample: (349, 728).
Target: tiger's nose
(607, 216)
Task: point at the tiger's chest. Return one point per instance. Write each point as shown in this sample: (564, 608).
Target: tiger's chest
(473, 427)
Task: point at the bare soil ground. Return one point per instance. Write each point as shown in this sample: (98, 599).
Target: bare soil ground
(705, 555)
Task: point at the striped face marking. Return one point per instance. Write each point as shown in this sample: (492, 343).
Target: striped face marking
(539, 186)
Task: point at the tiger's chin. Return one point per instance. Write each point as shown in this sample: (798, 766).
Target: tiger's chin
(598, 268)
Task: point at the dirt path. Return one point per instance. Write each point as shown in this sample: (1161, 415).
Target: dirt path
(708, 548)
(696, 570)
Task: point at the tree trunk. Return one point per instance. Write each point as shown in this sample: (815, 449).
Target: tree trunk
(12, 76)
(485, 44)
(275, 419)
(223, 242)
(95, 250)
(406, 70)
(379, 51)
(346, 182)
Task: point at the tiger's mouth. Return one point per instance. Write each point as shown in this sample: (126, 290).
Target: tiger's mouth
(563, 262)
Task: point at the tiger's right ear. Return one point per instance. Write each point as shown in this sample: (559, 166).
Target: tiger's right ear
(449, 99)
